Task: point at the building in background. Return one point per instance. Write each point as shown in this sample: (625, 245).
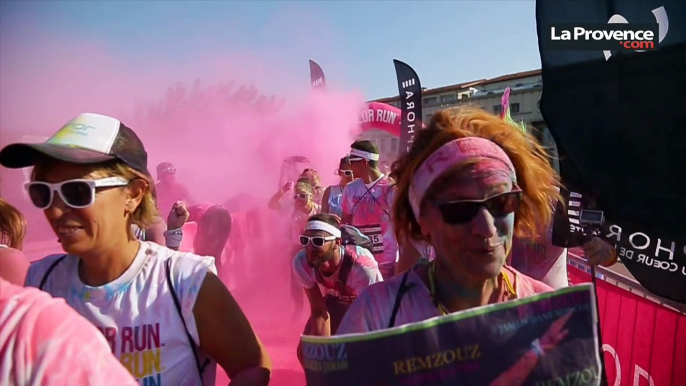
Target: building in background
(525, 97)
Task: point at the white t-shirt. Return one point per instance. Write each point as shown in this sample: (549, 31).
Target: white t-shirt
(370, 207)
(136, 312)
(363, 273)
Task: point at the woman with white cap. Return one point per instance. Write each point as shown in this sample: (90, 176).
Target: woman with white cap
(165, 313)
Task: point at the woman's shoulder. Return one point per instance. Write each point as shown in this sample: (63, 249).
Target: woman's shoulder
(39, 268)
(354, 184)
(526, 285)
(373, 307)
(178, 260)
(385, 292)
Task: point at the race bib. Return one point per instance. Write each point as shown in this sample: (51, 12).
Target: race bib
(374, 233)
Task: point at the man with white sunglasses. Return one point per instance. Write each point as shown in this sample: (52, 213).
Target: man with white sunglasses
(366, 204)
(332, 274)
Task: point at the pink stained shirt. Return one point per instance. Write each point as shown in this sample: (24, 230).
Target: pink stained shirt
(373, 308)
(370, 208)
(43, 341)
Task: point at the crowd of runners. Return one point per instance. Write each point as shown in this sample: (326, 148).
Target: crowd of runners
(464, 219)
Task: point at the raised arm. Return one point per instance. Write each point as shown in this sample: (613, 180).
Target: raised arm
(275, 201)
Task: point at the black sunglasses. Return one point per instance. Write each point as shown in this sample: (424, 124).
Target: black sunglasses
(301, 196)
(462, 212)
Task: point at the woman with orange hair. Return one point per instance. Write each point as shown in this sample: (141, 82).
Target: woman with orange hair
(13, 263)
(536, 257)
(477, 183)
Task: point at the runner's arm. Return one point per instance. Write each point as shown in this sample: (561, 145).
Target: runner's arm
(325, 200)
(600, 252)
(319, 313)
(275, 201)
(227, 337)
(520, 371)
(155, 231)
(320, 322)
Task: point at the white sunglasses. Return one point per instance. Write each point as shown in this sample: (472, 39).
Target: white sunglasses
(77, 194)
(317, 241)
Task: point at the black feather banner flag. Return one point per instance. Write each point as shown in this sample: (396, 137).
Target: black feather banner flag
(618, 117)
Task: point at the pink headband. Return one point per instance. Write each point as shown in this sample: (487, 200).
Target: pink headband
(449, 155)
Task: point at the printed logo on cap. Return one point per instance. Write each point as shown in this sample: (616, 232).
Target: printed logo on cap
(88, 131)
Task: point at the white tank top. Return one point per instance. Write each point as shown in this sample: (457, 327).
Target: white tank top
(335, 195)
(136, 312)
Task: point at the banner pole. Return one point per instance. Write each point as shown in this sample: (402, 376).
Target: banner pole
(603, 373)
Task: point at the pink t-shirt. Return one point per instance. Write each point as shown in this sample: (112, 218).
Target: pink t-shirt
(370, 207)
(372, 310)
(43, 341)
(363, 273)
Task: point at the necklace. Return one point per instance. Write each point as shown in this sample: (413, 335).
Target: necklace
(511, 293)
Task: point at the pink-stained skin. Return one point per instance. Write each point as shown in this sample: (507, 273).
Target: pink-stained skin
(13, 265)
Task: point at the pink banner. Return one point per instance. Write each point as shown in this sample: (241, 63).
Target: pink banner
(644, 342)
(381, 116)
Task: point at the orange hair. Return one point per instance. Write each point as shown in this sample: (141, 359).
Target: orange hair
(535, 176)
(12, 225)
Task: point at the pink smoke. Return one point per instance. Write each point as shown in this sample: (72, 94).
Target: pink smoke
(225, 121)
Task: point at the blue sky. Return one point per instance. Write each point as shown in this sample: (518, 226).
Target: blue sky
(354, 41)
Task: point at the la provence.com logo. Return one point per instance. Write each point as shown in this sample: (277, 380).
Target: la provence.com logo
(615, 37)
